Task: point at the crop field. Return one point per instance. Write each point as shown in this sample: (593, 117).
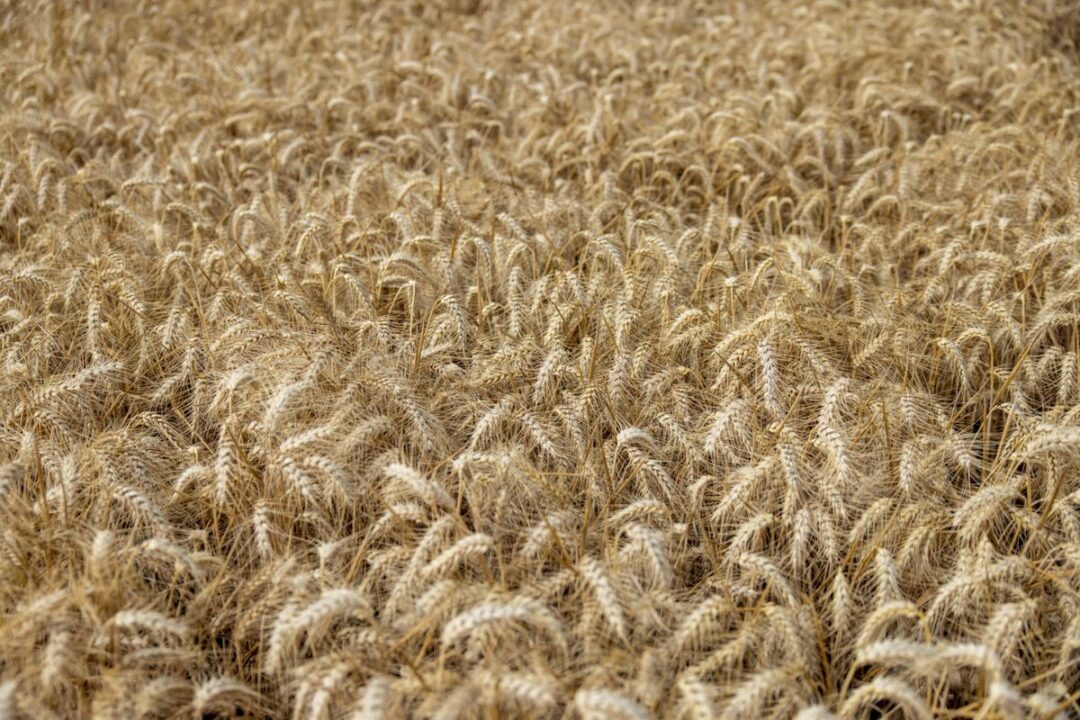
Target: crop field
(494, 359)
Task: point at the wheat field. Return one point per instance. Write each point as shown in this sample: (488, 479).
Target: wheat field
(496, 359)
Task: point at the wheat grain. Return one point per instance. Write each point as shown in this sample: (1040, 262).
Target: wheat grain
(476, 359)
(608, 704)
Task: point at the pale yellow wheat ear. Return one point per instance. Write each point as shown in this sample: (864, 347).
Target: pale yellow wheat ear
(551, 360)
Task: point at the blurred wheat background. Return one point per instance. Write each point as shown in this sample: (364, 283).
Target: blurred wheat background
(539, 359)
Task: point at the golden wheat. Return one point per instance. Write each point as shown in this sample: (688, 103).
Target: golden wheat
(475, 359)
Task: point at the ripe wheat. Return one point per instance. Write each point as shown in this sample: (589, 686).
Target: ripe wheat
(475, 359)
